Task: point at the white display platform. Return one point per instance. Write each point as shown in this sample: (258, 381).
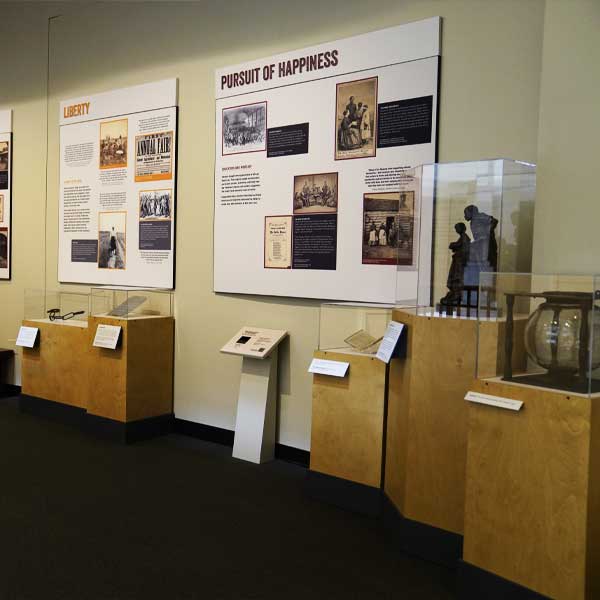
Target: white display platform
(256, 418)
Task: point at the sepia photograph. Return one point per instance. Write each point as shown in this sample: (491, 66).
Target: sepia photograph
(316, 193)
(112, 246)
(245, 128)
(4, 165)
(356, 119)
(3, 247)
(278, 242)
(155, 205)
(113, 144)
(388, 228)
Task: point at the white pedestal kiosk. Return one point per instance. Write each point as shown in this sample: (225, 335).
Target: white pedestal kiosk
(256, 418)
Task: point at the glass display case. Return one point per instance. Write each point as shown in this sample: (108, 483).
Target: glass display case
(353, 328)
(476, 217)
(57, 306)
(551, 331)
(131, 303)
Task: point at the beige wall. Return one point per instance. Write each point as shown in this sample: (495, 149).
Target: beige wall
(567, 237)
(492, 53)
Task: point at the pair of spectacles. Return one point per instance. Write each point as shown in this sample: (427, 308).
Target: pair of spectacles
(54, 314)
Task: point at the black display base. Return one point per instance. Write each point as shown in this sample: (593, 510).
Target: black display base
(130, 432)
(342, 493)
(53, 411)
(475, 583)
(422, 540)
(125, 433)
(566, 384)
(8, 390)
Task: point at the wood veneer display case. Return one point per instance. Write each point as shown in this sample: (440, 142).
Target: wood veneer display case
(348, 413)
(125, 393)
(426, 447)
(532, 513)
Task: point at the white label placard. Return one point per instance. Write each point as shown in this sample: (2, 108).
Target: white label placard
(497, 401)
(335, 368)
(390, 341)
(107, 336)
(254, 341)
(316, 171)
(27, 337)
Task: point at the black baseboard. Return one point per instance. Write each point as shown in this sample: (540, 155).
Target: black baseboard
(131, 431)
(345, 494)
(206, 433)
(225, 437)
(53, 411)
(475, 583)
(7, 390)
(422, 540)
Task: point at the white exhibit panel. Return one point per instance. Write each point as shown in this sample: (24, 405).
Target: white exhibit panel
(118, 165)
(314, 172)
(254, 342)
(5, 193)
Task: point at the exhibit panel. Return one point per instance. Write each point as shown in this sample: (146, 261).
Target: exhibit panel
(118, 165)
(6, 143)
(533, 438)
(315, 151)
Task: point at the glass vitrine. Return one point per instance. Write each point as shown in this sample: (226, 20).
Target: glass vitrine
(477, 217)
(131, 303)
(355, 328)
(551, 331)
(57, 306)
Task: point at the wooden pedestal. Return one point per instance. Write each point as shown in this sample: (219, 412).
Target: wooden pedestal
(135, 381)
(427, 417)
(533, 490)
(112, 388)
(348, 429)
(57, 368)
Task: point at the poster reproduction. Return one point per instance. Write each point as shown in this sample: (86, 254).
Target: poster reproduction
(116, 221)
(316, 178)
(5, 193)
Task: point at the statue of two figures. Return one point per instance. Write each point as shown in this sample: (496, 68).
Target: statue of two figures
(470, 257)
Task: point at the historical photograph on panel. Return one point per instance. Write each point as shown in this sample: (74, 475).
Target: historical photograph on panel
(316, 193)
(4, 165)
(245, 128)
(356, 119)
(113, 144)
(154, 156)
(155, 205)
(388, 228)
(112, 246)
(3, 247)
(278, 242)
(1, 208)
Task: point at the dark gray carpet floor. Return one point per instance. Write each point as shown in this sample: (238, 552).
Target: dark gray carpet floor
(175, 518)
